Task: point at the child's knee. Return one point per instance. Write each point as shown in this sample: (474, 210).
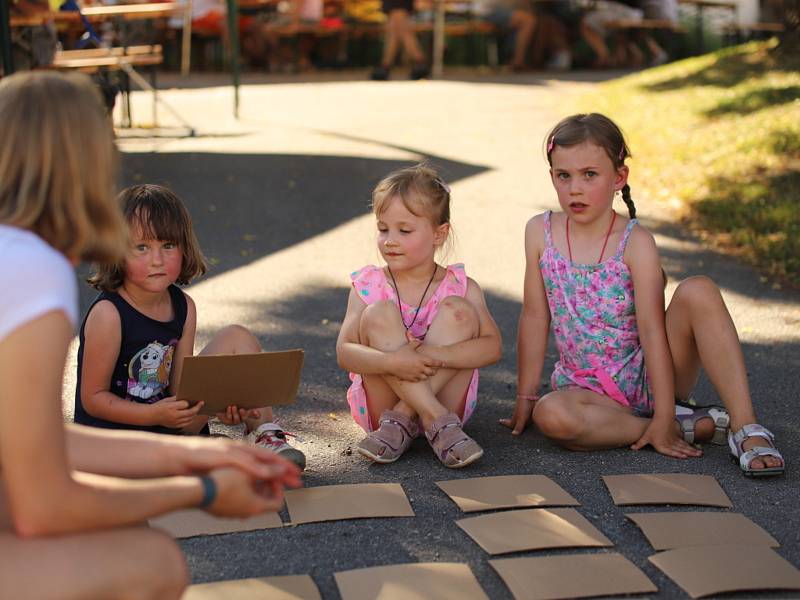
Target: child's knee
(378, 315)
(554, 418)
(698, 291)
(458, 312)
(240, 338)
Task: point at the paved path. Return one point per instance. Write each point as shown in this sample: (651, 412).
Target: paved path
(280, 202)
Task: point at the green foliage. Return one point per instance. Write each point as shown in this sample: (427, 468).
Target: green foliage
(719, 134)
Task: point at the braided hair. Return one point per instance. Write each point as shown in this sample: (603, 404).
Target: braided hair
(599, 130)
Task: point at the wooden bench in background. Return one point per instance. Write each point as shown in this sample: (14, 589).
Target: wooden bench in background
(91, 60)
(649, 24)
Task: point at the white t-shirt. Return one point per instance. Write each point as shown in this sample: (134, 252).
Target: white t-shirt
(35, 280)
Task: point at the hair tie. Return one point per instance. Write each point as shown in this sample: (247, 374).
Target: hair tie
(550, 144)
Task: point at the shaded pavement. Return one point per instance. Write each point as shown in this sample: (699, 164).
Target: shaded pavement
(280, 200)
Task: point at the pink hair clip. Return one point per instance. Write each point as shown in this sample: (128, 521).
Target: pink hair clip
(550, 144)
(622, 153)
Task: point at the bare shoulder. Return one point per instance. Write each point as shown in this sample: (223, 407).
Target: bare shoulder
(640, 240)
(641, 248)
(103, 316)
(535, 225)
(534, 235)
(474, 292)
(190, 305)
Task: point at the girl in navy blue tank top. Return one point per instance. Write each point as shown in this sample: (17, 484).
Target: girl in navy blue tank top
(141, 326)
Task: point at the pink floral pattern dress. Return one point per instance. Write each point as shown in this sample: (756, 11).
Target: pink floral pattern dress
(372, 286)
(593, 319)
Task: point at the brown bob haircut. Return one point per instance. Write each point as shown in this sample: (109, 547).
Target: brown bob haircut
(58, 164)
(161, 216)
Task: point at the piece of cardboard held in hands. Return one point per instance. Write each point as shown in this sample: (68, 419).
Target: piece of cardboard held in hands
(245, 380)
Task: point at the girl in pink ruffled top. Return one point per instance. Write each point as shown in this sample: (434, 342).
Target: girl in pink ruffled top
(626, 366)
(415, 332)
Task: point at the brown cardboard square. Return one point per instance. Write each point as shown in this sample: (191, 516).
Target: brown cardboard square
(354, 501)
(706, 570)
(192, 522)
(246, 380)
(666, 488)
(668, 530)
(571, 576)
(418, 581)
(505, 491)
(287, 587)
(532, 529)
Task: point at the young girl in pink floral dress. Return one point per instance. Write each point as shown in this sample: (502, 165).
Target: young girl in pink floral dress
(415, 332)
(595, 277)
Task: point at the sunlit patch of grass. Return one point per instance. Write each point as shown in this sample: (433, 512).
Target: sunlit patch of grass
(719, 135)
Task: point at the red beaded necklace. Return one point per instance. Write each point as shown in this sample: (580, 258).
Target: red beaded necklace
(608, 233)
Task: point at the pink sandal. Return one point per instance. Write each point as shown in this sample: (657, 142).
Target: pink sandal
(452, 446)
(392, 438)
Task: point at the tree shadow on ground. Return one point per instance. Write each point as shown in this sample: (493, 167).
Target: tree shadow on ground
(758, 212)
(247, 206)
(755, 100)
(730, 68)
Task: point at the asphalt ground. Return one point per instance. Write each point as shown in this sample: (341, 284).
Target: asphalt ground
(279, 200)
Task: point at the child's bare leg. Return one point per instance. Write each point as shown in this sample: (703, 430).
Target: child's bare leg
(583, 420)
(236, 339)
(701, 332)
(132, 564)
(381, 328)
(456, 321)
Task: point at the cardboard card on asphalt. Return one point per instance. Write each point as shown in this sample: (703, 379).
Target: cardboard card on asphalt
(353, 501)
(417, 581)
(571, 576)
(505, 491)
(706, 570)
(246, 380)
(192, 522)
(532, 529)
(666, 488)
(286, 587)
(668, 530)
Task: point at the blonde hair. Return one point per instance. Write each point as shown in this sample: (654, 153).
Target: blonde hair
(161, 216)
(421, 191)
(58, 163)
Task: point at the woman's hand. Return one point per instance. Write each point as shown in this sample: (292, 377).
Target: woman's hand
(408, 364)
(171, 412)
(240, 495)
(197, 455)
(523, 413)
(661, 435)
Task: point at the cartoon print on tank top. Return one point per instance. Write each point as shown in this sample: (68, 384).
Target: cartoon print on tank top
(148, 371)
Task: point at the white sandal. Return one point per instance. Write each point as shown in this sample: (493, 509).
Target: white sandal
(687, 415)
(746, 457)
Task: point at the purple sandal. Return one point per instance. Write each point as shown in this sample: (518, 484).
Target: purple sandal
(452, 446)
(391, 439)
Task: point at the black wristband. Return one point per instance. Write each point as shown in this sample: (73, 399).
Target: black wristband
(209, 491)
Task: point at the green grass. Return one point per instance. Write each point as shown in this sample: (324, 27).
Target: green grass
(719, 136)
